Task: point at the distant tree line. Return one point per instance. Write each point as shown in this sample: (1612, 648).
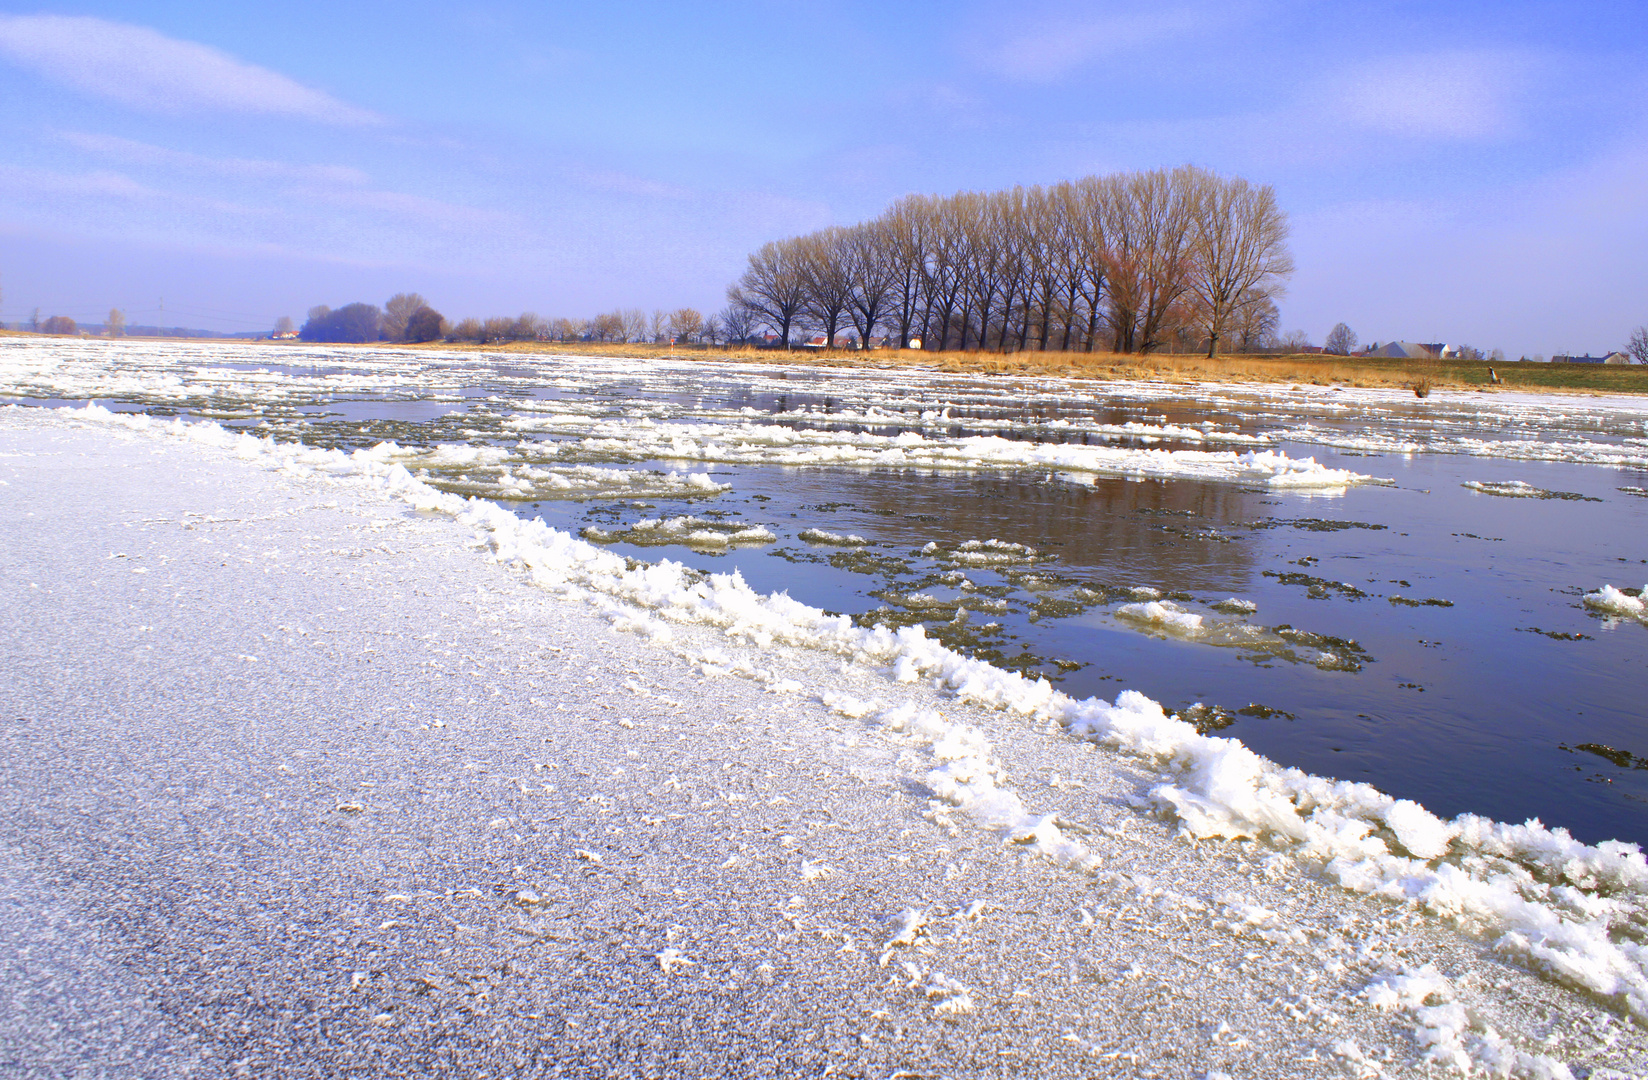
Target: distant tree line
(1129, 262)
(407, 317)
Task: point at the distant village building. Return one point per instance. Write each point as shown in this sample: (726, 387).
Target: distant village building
(1610, 358)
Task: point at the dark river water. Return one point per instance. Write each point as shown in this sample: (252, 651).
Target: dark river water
(1420, 635)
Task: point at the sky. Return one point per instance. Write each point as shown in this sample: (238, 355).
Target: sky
(1467, 172)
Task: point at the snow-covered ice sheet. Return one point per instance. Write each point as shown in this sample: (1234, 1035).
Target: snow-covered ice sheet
(1572, 913)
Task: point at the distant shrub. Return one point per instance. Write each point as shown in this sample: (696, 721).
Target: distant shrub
(59, 324)
(467, 330)
(425, 324)
(350, 323)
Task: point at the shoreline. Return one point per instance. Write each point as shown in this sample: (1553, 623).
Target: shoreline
(1587, 380)
(895, 833)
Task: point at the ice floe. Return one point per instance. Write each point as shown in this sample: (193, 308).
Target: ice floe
(1622, 603)
(689, 531)
(1517, 489)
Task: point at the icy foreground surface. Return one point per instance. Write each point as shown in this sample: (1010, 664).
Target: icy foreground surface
(544, 806)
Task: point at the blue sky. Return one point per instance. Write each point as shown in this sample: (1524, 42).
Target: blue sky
(1467, 172)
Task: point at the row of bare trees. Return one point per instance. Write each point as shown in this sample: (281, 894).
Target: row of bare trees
(682, 326)
(1130, 262)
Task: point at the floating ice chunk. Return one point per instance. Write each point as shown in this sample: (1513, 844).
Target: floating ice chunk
(687, 531)
(1612, 601)
(820, 536)
(1517, 489)
(1163, 614)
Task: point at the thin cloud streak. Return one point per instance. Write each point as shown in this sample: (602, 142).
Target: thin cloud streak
(141, 153)
(1054, 46)
(146, 70)
(1445, 95)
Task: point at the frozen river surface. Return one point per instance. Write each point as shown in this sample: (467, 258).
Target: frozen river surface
(1356, 583)
(315, 764)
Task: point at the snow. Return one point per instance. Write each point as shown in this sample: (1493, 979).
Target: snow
(970, 739)
(1534, 897)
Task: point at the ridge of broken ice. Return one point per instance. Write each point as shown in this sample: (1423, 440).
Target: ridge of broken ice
(773, 444)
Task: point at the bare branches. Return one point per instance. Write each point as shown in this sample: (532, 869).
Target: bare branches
(771, 289)
(1182, 258)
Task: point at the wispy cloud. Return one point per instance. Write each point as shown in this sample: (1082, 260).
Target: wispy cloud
(57, 185)
(1442, 95)
(145, 69)
(412, 208)
(620, 183)
(1047, 48)
(141, 153)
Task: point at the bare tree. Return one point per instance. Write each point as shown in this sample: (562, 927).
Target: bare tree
(635, 324)
(771, 288)
(737, 324)
(1239, 246)
(115, 324)
(685, 324)
(397, 312)
(1254, 324)
(867, 253)
(1638, 347)
(284, 325)
(907, 224)
(659, 324)
(607, 327)
(1341, 340)
(529, 327)
(1294, 341)
(824, 273)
